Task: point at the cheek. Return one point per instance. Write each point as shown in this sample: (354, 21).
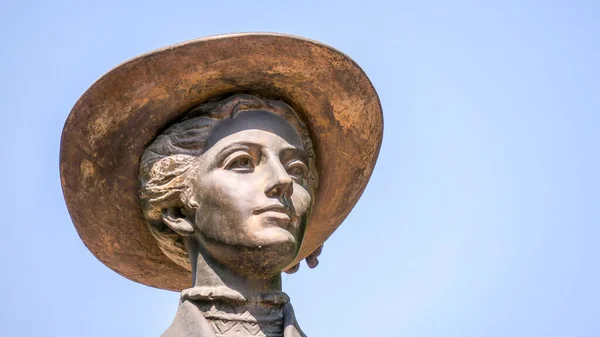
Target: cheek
(217, 189)
(223, 199)
(301, 199)
(237, 193)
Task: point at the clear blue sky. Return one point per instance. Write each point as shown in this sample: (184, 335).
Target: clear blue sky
(482, 217)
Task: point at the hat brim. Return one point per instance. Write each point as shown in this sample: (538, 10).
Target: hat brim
(119, 116)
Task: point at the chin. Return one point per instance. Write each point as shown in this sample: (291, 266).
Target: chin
(274, 250)
(278, 240)
(275, 236)
(263, 254)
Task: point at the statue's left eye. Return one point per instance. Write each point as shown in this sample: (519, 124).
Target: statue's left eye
(297, 170)
(242, 163)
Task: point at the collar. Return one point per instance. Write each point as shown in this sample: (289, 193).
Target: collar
(224, 294)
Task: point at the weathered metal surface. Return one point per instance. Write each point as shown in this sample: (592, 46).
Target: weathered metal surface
(120, 115)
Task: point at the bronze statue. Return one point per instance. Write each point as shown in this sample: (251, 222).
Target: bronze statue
(228, 159)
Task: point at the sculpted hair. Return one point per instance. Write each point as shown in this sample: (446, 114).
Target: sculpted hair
(165, 164)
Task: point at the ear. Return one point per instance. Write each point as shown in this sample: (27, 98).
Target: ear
(177, 221)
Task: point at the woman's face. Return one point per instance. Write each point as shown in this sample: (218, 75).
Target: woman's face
(252, 198)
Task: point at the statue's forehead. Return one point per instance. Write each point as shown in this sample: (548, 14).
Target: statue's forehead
(255, 120)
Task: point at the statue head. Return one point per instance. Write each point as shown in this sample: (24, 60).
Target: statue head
(237, 179)
(234, 181)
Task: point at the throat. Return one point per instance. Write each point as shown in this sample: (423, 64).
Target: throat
(234, 305)
(208, 273)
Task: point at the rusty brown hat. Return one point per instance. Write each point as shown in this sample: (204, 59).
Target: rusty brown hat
(119, 115)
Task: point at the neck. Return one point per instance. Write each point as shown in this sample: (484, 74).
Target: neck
(213, 280)
(234, 305)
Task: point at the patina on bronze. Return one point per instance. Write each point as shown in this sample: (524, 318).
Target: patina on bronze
(217, 164)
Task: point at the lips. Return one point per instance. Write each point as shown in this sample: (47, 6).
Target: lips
(278, 211)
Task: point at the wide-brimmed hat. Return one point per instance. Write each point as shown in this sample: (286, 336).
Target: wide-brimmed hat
(120, 115)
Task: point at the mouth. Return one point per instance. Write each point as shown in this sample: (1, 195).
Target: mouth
(276, 211)
(273, 209)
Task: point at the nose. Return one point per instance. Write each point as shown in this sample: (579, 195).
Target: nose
(279, 182)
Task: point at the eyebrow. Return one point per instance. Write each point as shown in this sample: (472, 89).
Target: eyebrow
(297, 151)
(227, 150)
(238, 145)
(286, 151)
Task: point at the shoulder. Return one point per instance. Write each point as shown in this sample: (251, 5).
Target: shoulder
(290, 324)
(189, 322)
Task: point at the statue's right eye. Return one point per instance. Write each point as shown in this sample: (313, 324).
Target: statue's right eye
(240, 162)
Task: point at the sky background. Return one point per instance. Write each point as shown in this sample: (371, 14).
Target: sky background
(482, 216)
